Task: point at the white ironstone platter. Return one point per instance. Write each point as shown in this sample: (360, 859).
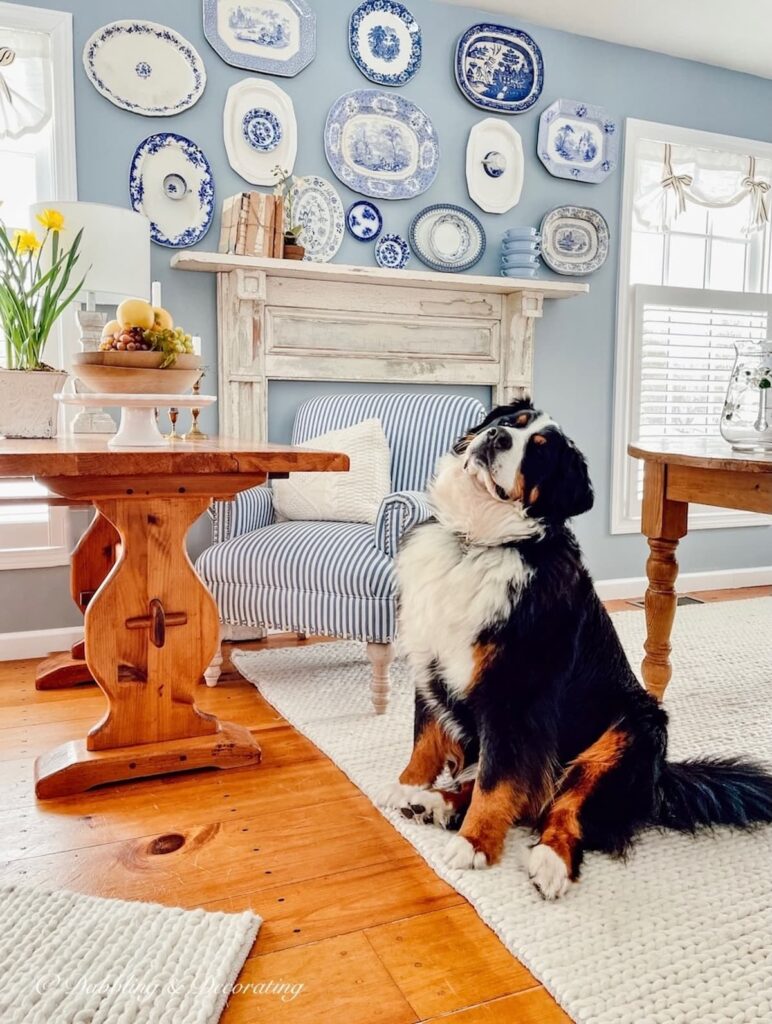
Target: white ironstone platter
(260, 130)
(385, 42)
(274, 37)
(170, 182)
(447, 237)
(381, 144)
(144, 67)
(578, 141)
(574, 240)
(364, 220)
(499, 68)
(495, 166)
(316, 206)
(392, 252)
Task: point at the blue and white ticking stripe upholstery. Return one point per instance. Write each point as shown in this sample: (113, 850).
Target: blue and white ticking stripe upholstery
(333, 579)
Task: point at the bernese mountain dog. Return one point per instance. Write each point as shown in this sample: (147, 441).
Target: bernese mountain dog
(525, 699)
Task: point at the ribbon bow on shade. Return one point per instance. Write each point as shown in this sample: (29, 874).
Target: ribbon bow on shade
(677, 182)
(757, 190)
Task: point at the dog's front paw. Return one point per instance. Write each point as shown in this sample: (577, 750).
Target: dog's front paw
(396, 795)
(548, 872)
(459, 853)
(427, 806)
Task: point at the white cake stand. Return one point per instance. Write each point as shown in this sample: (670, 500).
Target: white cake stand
(138, 427)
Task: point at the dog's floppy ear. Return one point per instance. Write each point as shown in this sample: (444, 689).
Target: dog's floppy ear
(556, 480)
(522, 405)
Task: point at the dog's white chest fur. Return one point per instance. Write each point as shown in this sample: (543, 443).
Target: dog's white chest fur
(449, 593)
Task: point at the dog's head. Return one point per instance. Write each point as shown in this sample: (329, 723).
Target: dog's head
(519, 456)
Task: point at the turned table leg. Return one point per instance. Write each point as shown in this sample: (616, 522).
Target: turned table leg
(663, 523)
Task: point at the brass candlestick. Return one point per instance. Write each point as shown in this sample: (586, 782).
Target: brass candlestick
(195, 434)
(173, 435)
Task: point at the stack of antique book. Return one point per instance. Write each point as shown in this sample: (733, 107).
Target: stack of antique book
(253, 225)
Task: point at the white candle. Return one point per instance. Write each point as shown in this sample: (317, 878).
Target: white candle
(155, 291)
(196, 342)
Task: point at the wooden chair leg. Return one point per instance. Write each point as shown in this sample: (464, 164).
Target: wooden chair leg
(213, 672)
(381, 657)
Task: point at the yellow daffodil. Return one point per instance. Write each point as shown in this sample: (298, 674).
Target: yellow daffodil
(51, 220)
(25, 241)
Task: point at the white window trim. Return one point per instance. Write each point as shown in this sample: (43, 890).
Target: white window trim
(625, 349)
(58, 26)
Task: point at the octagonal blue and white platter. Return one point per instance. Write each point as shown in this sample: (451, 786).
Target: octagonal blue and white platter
(578, 141)
(260, 130)
(385, 41)
(274, 37)
(498, 68)
(574, 240)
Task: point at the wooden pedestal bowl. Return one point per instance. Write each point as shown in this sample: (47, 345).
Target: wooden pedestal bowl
(136, 373)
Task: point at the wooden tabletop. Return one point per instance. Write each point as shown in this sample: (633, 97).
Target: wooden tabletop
(89, 455)
(701, 453)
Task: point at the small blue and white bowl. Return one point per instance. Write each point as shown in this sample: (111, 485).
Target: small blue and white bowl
(519, 271)
(520, 246)
(520, 234)
(521, 259)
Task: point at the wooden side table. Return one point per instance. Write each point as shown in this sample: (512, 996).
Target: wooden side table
(700, 471)
(151, 627)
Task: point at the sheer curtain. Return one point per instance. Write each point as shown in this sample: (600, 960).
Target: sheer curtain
(25, 82)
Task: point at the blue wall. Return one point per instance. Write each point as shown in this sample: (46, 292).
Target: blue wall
(575, 340)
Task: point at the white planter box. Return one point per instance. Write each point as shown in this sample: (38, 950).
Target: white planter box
(27, 406)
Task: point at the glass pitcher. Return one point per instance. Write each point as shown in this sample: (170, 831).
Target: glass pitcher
(746, 420)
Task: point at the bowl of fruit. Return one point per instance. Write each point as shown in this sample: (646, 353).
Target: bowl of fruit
(141, 353)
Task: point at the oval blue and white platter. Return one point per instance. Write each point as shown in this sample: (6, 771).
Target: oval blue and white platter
(274, 37)
(364, 220)
(381, 145)
(578, 141)
(385, 41)
(447, 237)
(144, 67)
(260, 130)
(499, 68)
(392, 252)
(316, 206)
(170, 182)
(574, 240)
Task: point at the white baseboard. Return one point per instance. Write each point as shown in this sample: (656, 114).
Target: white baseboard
(719, 579)
(37, 643)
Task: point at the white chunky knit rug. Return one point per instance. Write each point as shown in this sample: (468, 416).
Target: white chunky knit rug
(72, 959)
(682, 932)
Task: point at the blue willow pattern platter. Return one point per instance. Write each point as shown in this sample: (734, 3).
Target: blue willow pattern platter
(577, 140)
(384, 40)
(392, 252)
(259, 130)
(170, 182)
(447, 237)
(364, 220)
(499, 68)
(316, 206)
(144, 67)
(381, 145)
(574, 240)
(275, 37)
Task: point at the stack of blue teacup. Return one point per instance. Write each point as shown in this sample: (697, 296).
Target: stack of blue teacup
(520, 250)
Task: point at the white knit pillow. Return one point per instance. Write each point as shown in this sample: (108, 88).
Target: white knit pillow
(352, 497)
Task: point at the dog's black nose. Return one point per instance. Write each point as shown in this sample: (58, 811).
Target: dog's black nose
(499, 439)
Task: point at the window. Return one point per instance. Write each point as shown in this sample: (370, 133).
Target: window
(695, 275)
(36, 164)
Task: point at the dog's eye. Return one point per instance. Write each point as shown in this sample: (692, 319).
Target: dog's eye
(539, 439)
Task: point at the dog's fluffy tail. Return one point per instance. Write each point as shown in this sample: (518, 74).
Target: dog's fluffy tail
(713, 791)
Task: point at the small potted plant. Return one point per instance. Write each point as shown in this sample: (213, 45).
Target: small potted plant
(35, 290)
(284, 185)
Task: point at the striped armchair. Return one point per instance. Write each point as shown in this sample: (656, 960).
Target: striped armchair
(330, 578)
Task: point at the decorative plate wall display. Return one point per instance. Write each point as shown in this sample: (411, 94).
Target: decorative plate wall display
(574, 240)
(170, 181)
(144, 67)
(260, 130)
(385, 41)
(381, 145)
(276, 37)
(447, 237)
(364, 220)
(317, 207)
(578, 141)
(499, 68)
(392, 252)
(494, 165)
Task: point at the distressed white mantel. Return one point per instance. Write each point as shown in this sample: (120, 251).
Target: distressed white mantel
(287, 320)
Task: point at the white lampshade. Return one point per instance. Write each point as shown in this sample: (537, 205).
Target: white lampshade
(114, 249)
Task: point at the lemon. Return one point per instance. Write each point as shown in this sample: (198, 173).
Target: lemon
(135, 313)
(110, 329)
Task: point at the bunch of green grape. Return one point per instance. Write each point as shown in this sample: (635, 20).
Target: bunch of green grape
(172, 342)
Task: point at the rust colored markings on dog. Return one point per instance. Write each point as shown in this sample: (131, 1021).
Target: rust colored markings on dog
(432, 749)
(562, 831)
(490, 815)
(483, 656)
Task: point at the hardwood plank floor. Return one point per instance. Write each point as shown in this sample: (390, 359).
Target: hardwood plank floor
(351, 912)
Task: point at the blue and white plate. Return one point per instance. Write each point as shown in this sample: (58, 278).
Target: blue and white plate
(579, 141)
(447, 237)
(316, 206)
(574, 240)
(144, 67)
(392, 252)
(275, 37)
(170, 182)
(260, 130)
(385, 41)
(499, 68)
(381, 145)
(364, 220)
